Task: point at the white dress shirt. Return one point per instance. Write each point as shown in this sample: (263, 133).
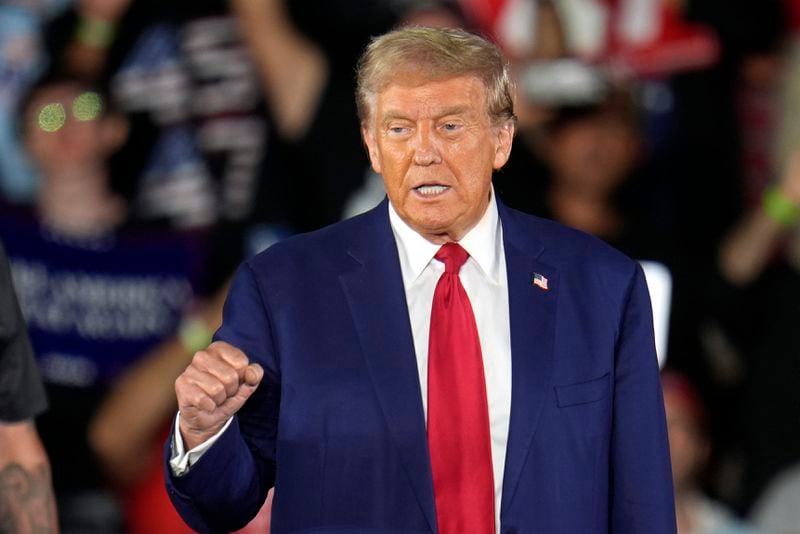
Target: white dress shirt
(484, 279)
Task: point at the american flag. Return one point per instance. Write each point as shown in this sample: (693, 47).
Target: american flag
(540, 281)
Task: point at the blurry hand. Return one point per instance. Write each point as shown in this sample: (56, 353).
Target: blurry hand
(107, 10)
(213, 388)
(789, 183)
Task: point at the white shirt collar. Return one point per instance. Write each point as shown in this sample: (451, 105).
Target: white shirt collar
(482, 243)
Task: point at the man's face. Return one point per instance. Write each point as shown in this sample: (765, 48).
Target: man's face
(435, 145)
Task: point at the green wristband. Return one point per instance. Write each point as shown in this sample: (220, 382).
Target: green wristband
(95, 32)
(194, 335)
(779, 207)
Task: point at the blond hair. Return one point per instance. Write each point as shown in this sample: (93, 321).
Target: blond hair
(436, 53)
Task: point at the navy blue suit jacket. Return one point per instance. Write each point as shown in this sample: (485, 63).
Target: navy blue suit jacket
(337, 424)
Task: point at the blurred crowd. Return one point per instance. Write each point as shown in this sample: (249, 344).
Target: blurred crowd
(147, 147)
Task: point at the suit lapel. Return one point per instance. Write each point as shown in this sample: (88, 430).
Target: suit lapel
(374, 291)
(375, 294)
(533, 315)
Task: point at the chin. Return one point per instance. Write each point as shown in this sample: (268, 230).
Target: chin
(431, 225)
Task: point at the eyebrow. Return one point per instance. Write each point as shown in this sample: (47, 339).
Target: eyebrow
(452, 110)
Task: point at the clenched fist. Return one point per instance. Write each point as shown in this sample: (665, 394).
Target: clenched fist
(213, 388)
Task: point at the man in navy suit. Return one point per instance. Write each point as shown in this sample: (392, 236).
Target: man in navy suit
(334, 380)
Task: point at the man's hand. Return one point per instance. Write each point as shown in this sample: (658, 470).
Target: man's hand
(213, 388)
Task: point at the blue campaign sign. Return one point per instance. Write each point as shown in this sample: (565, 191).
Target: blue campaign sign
(94, 306)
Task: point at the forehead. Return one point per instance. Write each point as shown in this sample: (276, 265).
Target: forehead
(419, 96)
(63, 94)
(59, 91)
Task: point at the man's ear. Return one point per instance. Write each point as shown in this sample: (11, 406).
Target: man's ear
(504, 138)
(368, 136)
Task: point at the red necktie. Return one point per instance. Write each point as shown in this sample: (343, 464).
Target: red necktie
(458, 415)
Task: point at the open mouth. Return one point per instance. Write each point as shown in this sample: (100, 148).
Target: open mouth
(431, 190)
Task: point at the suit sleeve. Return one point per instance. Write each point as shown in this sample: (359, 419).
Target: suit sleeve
(229, 483)
(641, 492)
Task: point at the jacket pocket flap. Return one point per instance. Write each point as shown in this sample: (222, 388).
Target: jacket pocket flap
(584, 392)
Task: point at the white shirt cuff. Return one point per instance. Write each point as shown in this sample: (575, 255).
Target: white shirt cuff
(182, 460)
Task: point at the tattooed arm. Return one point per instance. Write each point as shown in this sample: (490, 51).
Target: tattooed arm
(26, 494)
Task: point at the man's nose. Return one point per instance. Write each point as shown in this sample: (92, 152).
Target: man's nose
(426, 150)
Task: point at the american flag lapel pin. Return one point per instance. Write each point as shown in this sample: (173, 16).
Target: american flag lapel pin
(539, 280)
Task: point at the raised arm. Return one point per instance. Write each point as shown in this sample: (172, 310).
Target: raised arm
(134, 413)
(747, 250)
(292, 68)
(234, 379)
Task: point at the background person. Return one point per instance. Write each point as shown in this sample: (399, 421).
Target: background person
(689, 447)
(26, 494)
(97, 295)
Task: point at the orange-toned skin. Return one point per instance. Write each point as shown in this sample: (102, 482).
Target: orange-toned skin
(439, 132)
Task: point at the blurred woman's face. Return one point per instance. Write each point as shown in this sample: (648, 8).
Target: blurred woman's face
(595, 153)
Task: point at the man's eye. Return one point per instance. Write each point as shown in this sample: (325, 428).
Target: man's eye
(398, 129)
(451, 126)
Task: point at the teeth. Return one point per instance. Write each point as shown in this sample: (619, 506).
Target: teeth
(430, 190)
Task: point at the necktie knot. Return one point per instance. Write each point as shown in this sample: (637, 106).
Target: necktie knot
(453, 256)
